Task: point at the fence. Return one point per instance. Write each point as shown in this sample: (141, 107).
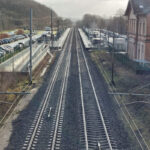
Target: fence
(135, 66)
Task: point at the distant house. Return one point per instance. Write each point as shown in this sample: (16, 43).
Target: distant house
(138, 13)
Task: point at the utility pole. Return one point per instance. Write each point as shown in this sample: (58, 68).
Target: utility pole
(108, 37)
(13, 63)
(51, 28)
(58, 24)
(30, 46)
(113, 51)
(1, 24)
(100, 38)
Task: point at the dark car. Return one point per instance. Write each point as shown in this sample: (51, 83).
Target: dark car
(25, 35)
(5, 41)
(1, 53)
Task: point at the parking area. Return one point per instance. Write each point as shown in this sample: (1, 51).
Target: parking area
(15, 43)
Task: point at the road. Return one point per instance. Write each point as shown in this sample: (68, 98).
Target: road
(72, 109)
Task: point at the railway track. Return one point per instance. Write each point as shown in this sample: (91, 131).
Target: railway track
(74, 111)
(56, 131)
(95, 127)
(45, 131)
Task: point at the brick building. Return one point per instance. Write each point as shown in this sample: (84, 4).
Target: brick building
(138, 14)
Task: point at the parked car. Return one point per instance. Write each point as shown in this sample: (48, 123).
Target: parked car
(4, 41)
(8, 40)
(24, 43)
(25, 35)
(2, 52)
(6, 48)
(40, 39)
(19, 37)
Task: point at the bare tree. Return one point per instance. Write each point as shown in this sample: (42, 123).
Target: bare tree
(116, 23)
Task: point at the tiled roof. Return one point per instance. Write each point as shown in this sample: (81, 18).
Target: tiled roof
(139, 6)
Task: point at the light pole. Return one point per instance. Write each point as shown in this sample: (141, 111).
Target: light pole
(113, 51)
(1, 19)
(107, 37)
(100, 38)
(13, 64)
(31, 46)
(58, 24)
(51, 28)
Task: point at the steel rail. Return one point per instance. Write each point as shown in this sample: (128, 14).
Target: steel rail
(49, 89)
(82, 100)
(107, 79)
(96, 98)
(62, 97)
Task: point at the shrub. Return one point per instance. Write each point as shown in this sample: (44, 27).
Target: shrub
(4, 35)
(18, 32)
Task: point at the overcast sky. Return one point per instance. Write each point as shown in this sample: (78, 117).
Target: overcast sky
(75, 9)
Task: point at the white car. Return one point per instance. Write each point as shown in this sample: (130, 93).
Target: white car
(7, 48)
(2, 53)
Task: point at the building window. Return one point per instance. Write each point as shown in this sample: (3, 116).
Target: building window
(130, 26)
(144, 28)
(143, 52)
(140, 28)
(134, 26)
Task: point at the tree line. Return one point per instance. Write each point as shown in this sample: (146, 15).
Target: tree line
(15, 14)
(118, 23)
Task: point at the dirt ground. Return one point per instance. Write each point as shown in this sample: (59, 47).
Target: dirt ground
(126, 80)
(10, 82)
(18, 82)
(6, 130)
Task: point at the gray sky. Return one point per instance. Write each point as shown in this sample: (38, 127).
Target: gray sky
(75, 9)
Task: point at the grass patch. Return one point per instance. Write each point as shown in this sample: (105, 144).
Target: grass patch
(10, 82)
(18, 82)
(9, 55)
(126, 80)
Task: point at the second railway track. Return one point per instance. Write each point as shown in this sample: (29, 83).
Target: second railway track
(95, 127)
(50, 109)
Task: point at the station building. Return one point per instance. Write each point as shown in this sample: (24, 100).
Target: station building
(138, 15)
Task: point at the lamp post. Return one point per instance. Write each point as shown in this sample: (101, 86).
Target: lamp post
(51, 28)
(30, 46)
(113, 51)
